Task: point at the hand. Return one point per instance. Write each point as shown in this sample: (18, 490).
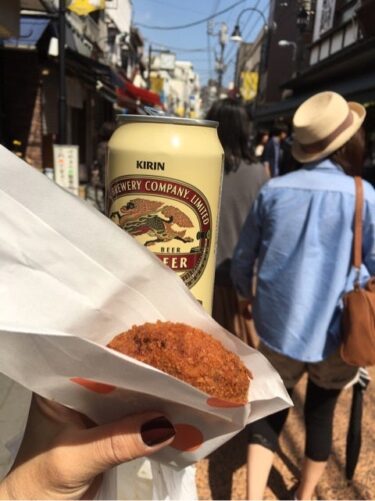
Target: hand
(63, 454)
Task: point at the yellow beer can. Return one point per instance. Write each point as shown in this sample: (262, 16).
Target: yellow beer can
(163, 186)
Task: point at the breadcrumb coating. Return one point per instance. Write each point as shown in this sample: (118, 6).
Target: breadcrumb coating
(188, 354)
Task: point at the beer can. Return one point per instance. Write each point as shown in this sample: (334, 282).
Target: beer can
(163, 186)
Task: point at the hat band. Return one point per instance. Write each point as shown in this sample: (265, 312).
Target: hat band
(323, 143)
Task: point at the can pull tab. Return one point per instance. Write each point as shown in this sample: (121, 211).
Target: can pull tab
(153, 111)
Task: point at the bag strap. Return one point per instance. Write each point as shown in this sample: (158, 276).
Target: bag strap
(357, 241)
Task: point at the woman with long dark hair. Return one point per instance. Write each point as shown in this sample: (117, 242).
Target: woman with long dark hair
(243, 178)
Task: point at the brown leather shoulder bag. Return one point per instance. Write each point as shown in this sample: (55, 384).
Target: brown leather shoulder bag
(358, 320)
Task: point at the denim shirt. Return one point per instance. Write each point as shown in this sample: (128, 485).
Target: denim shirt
(300, 231)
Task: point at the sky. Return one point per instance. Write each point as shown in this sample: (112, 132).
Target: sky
(194, 43)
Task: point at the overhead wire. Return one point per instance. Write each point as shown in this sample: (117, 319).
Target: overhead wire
(194, 23)
(282, 15)
(215, 13)
(233, 50)
(233, 14)
(179, 49)
(253, 26)
(174, 6)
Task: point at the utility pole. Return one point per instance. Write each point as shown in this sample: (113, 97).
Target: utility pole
(149, 67)
(62, 79)
(220, 67)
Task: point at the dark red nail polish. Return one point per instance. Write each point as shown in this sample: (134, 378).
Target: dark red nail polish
(157, 431)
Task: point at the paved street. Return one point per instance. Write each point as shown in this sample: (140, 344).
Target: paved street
(223, 475)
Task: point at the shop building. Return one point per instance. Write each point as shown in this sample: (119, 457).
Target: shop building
(103, 55)
(335, 51)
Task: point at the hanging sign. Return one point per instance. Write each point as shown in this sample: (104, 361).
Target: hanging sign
(66, 166)
(84, 7)
(249, 85)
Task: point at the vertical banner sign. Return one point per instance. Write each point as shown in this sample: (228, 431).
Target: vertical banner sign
(66, 166)
(324, 16)
(249, 85)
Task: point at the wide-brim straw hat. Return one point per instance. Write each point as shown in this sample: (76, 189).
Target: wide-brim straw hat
(324, 123)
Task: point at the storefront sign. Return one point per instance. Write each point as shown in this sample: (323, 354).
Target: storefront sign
(84, 7)
(249, 85)
(325, 13)
(167, 61)
(157, 84)
(66, 166)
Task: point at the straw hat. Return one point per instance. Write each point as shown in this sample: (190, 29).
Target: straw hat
(324, 123)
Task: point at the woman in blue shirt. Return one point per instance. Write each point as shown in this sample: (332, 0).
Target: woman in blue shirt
(299, 231)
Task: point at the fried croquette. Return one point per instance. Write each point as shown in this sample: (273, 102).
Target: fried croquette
(188, 354)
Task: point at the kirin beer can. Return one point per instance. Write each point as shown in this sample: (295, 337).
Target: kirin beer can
(163, 186)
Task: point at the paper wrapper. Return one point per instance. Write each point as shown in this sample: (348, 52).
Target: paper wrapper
(70, 280)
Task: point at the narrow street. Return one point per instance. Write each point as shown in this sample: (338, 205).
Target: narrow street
(223, 475)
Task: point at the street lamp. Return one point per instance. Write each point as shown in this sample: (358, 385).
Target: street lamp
(289, 43)
(236, 34)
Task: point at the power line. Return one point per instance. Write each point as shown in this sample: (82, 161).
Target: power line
(233, 56)
(173, 6)
(179, 49)
(189, 25)
(233, 51)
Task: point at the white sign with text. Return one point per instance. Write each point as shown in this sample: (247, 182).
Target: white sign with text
(66, 166)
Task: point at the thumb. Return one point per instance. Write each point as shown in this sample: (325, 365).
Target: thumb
(102, 447)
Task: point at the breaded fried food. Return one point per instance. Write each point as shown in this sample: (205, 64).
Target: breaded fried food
(188, 354)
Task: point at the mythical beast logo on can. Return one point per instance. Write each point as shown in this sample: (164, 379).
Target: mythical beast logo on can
(171, 216)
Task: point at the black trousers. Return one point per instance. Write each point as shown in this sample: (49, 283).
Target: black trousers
(319, 410)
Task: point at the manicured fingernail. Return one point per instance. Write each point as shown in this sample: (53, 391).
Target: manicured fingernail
(157, 431)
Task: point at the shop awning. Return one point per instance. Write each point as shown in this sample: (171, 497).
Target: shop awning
(143, 96)
(31, 29)
(280, 110)
(360, 87)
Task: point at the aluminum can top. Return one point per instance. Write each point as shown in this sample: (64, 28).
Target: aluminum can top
(164, 119)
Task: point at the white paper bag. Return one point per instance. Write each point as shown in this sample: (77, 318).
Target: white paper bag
(70, 280)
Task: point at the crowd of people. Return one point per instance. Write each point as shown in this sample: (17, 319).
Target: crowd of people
(283, 265)
(291, 264)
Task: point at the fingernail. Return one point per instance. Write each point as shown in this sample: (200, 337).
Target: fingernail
(157, 431)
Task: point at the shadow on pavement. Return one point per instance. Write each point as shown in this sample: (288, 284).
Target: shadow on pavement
(223, 463)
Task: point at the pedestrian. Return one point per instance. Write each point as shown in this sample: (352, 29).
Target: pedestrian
(261, 139)
(300, 231)
(63, 454)
(272, 153)
(243, 177)
(287, 162)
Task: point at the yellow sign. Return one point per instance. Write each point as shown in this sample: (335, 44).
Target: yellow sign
(249, 85)
(157, 84)
(84, 7)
